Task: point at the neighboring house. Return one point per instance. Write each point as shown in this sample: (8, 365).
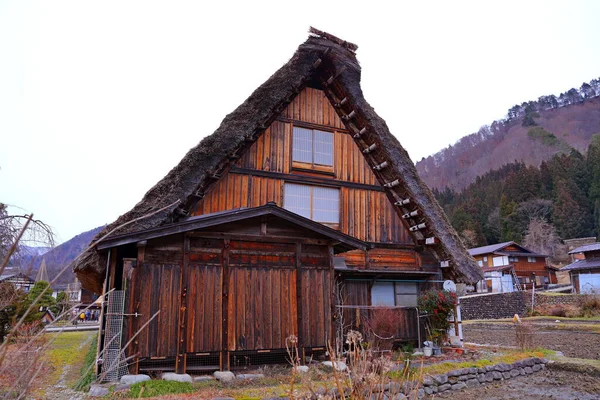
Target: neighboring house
(301, 210)
(585, 270)
(509, 266)
(48, 317)
(20, 280)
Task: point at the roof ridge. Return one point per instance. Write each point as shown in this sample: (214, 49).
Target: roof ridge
(314, 32)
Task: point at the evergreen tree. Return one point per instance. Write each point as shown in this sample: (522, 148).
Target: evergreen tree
(37, 308)
(509, 220)
(570, 215)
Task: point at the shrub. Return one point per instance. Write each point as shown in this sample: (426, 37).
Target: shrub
(524, 335)
(590, 305)
(437, 305)
(382, 327)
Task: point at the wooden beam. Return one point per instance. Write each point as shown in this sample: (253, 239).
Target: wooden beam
(402, 202)
(390, 185)
(418, 227)
(225, 305)
(299, 296)
(305, 179)
(181, 360)
(411, 214)
(381, 166)
(370, 149)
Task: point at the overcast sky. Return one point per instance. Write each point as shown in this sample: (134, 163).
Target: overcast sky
(99, 100)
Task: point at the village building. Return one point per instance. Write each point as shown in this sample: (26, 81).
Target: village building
(508, 267)
(585, 269)
(19, 279)
(297, 217)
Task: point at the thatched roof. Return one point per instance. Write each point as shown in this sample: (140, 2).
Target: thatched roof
(332, 62)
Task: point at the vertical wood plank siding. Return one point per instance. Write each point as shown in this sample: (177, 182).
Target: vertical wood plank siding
(365, 214)
(261, 303)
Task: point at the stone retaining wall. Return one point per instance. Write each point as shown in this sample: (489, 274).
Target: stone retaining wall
(506, 305)
(461, 378)
(545, 300)
(493, 305)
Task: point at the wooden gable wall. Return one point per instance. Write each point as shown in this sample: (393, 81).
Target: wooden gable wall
(259, 175)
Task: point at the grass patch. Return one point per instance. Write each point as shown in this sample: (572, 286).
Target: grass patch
(532, 319)
(159, 388)
(507, 358)
(65, 350)
(83, 384)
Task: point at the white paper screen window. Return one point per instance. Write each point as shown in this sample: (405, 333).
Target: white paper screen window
(317, 203)
(312, 146)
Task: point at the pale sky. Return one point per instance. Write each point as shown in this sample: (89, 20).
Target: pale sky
(99, 100)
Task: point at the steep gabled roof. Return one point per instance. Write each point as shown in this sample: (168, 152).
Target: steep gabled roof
(490, 248)
(331, 62)
(497, 249)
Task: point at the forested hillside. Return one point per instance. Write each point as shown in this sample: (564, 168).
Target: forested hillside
(59, 257)
(537, 206)
(532, 132)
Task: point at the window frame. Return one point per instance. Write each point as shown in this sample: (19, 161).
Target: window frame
(312, 166)
(531, 259)
(397, 290)
(312, 202)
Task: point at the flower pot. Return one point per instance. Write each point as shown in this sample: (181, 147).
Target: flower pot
(427, 351)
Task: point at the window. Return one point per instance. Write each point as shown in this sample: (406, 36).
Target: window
(513, 259)
(406, 294)
(320, 204)
(530, 259)
(382, 294)
(402, 294)
(480, 263)
(485, 260)
(500, 261)
(312, 148)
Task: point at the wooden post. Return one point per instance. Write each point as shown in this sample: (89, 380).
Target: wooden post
(333, 298)
(181, 360)
(299, 299)
(225, 305)
(135, 305)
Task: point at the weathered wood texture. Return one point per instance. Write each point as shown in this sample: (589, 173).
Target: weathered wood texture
(246, 300)
(365, 214)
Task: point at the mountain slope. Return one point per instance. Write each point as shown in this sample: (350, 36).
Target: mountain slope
(546, 132)
(59, 257)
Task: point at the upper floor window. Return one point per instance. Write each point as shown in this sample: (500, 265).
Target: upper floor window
(320, 204)
(312, 148)
(530, 259)
(480, 263)
(513, 259)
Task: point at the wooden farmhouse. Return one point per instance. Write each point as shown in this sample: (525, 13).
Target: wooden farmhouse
(300, 211)
(509, 266)
(585, 269)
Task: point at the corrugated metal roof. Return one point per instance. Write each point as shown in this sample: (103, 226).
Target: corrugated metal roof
(490, 248)
(587, 247)
(588, 263)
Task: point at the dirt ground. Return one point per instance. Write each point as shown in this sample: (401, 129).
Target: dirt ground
(577, 340)
(548, 384)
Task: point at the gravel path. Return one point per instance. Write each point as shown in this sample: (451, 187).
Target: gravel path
(60, 390)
